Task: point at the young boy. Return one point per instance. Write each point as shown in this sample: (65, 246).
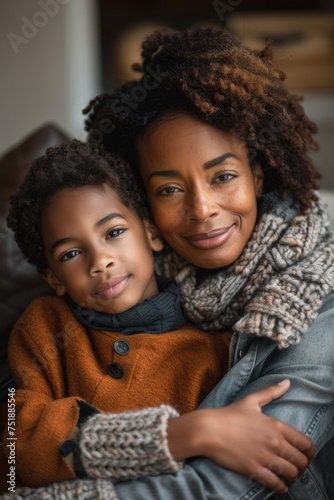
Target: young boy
(112, 340)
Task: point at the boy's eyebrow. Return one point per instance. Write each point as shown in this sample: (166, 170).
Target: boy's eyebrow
(107, 218)
(208, 164)
(58, 243)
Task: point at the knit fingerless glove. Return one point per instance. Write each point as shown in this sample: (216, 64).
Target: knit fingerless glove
(85, 489)
(127, 445)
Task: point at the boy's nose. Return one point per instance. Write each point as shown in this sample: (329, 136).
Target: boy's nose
(100, 262)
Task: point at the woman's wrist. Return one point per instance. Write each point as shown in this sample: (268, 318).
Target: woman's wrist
(127, 445)
(187, 435)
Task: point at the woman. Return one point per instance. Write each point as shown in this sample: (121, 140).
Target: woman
(222, 149)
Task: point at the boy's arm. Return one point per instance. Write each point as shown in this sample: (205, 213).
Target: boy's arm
(46, 420)
(43, 419)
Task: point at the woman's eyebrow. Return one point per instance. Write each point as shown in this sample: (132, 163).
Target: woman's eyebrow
(218, 160)
(208, 164)
(164, 173)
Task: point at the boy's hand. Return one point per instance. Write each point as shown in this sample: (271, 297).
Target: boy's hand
(241, 438)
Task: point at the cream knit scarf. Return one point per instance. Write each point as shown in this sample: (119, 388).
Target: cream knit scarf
(275, 287)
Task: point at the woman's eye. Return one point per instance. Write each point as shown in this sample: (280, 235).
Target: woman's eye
(115, 232)
(69, 255)
(224, 177)
(167, 191)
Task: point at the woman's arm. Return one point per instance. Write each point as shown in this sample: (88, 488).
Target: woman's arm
(133, 444)
(241, 438)
(307, 406)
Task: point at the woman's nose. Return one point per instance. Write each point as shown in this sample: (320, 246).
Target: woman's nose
(200, 205)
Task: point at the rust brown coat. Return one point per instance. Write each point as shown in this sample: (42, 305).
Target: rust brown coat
(56, 361)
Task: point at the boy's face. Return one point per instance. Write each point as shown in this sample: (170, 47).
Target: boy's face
(98, 250)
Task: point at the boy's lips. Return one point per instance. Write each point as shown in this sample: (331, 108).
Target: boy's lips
(211, 239)
(112, 287)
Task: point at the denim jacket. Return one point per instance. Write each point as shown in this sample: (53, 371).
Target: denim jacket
(308, 405)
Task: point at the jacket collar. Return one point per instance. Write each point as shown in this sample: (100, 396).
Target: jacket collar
(158, 314)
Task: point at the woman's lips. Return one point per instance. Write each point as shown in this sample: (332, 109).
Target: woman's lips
(212, 239)
(112, 287)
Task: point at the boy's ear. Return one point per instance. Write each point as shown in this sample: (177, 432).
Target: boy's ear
(53, 281)
(153, 236)
(258, 176)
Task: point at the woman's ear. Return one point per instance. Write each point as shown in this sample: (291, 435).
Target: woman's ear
(153, 236)
(258, 176)
(53, 281)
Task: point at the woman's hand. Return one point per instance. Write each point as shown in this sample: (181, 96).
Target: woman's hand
(241, 438)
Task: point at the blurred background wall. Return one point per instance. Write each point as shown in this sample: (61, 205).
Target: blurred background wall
(49, 64)
(57, 54)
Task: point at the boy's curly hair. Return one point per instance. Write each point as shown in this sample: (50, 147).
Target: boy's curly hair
(209, 74)
(70, 165)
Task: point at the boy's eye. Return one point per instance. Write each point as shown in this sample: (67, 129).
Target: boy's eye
(69, 255)
(115, 232)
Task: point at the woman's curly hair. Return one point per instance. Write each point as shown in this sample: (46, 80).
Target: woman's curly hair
(209, 74)
(70, 165)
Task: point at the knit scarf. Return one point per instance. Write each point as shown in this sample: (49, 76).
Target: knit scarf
(275, 287)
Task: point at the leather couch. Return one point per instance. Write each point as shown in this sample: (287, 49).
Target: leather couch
(19, 281)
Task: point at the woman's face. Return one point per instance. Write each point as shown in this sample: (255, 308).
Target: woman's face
(201, 189)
